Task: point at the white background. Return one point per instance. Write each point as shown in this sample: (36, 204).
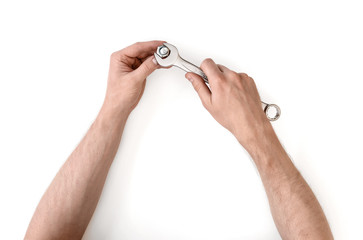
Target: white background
(178, 174)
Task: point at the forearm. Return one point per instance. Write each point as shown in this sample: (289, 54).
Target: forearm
(294, 207)
(68, 204)
(233, 100)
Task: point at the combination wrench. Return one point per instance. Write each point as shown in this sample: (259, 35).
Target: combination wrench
(167, 55)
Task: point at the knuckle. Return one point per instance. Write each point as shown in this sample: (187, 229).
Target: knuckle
(206, 61)
(247, 79)
(147, 68)
(135, 45)
(235, 76)
(113, 55)
(244, 76)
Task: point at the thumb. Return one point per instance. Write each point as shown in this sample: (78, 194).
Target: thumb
(200, 87)
(146, 68)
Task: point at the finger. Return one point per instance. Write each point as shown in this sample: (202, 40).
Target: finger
(140, 49)
(210, 68)
(200, 87)
(146, 68)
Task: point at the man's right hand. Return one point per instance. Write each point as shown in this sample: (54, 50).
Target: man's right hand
(234, 102)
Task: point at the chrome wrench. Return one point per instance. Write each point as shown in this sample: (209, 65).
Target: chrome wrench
(167, 55)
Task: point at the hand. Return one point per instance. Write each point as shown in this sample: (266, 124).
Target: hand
(129, 68)
(234, 102)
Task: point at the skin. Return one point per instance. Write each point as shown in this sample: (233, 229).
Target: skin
(232, 99)
(68, 204)
(234, 102)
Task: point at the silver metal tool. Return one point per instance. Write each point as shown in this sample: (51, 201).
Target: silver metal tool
(167, 55)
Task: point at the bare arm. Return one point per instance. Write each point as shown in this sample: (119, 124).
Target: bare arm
(68, 204)
(234, 102)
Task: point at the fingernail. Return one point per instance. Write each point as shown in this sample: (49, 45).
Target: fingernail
(154, 60)
(190, 78)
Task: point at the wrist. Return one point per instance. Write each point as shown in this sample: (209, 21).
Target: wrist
(262, 144)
